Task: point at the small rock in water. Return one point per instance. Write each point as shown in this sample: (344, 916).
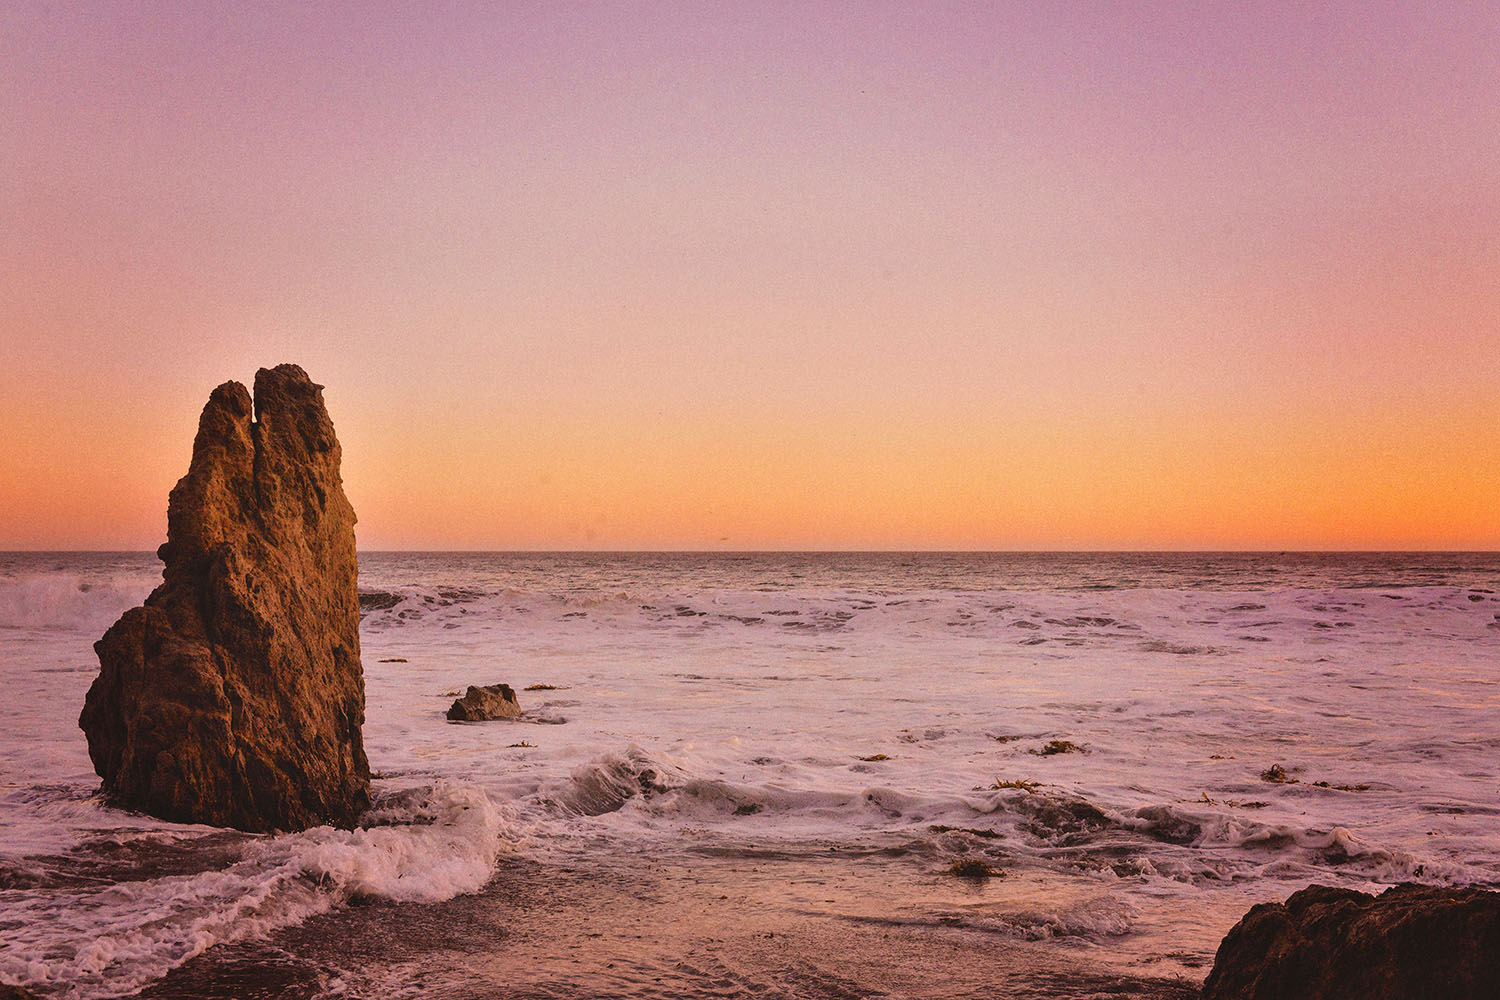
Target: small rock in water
(484, 704)
(1411, 942)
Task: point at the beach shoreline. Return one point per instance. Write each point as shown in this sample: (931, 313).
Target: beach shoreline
(642, 930)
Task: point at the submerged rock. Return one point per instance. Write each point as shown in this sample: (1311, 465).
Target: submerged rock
(235, 695)
(1409, 942)
(484, 704)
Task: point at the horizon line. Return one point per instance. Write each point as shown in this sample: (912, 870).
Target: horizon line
(797, 551)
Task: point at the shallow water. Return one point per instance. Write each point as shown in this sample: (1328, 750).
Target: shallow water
(750, 775)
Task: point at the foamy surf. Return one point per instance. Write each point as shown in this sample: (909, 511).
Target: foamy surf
(71, 600)
(639, 796)
(88, 940)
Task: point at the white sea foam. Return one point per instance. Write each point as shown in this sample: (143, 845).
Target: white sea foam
(70, 600)
(437, 845)
(101, 941)
(1102, 916)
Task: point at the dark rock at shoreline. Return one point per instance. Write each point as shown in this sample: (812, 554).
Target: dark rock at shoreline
(1409, 942)
(484, 704)
(235, 695)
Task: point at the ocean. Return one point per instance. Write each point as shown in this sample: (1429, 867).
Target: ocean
(752, 775)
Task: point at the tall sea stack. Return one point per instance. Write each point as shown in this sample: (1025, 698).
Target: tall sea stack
(235, 695)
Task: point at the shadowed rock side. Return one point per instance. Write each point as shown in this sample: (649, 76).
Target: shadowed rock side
(1409, 942)
(485, 704)
(235, 695)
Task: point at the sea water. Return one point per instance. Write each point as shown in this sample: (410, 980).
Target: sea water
(751, 775)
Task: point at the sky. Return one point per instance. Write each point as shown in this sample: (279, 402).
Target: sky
(767, 276)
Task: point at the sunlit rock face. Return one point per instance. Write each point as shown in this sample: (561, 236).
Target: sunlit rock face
(1411, 942)
(235, 695)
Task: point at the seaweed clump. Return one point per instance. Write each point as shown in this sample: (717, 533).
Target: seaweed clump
(1278, 775)
(1053, 747)
(970, 830)
(974, 868)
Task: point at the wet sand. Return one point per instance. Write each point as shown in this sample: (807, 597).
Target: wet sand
(735, 928)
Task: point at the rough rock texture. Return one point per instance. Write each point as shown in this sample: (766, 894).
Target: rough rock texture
(482, 704)
(1411, 942)
(235, 695)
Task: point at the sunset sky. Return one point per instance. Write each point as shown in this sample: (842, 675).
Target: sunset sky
(748, 275)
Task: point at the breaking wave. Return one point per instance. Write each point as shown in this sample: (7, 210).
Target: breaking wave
(66, 600)
(636, 790)
(106, 940)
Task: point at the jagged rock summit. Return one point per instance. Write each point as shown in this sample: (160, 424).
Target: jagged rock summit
(235, 695)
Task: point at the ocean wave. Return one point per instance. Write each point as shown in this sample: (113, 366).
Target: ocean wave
(654, 785)
(68, 600)
(1091, 919)
(638, 792)
(90, 941)
(1102, 916)
(1126, 622)
(606, 783)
